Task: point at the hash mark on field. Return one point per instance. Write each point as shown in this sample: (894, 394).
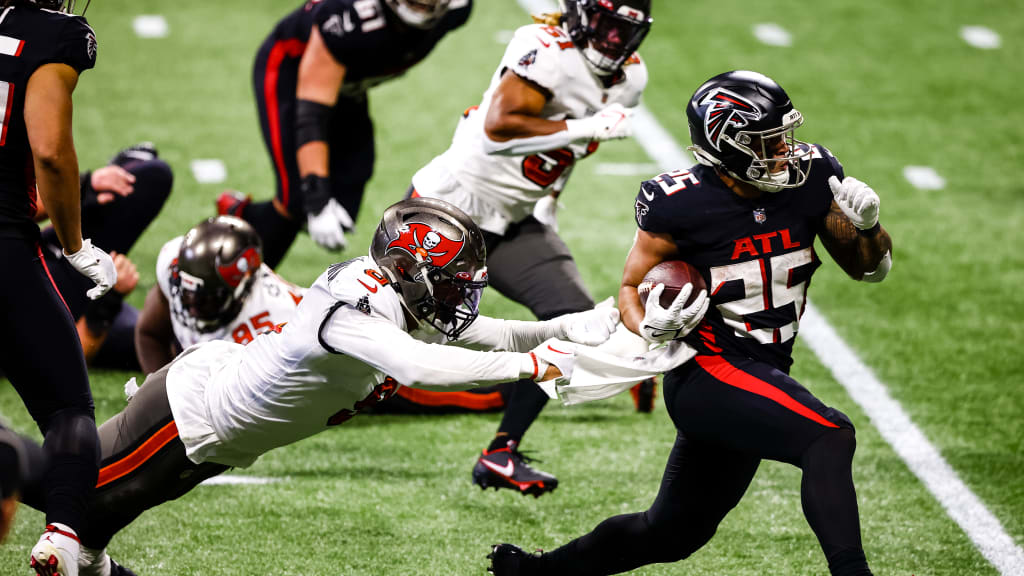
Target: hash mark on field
(625, 169)
(150, 26)
(209, 171)
(924, 177)
(980, 37)
(923, 459)
(772, 34)
(504, 36)
(228, 479)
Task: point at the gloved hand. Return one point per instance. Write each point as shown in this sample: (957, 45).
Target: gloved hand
(557, 353)
(611, 123)
(857, 200)
(96, 264)
(327, 227)
(591, 327)
(678, 320)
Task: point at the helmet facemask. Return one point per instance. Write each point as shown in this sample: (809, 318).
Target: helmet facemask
(760, 164)
(452, 302)
(607, 36)
(419, 13)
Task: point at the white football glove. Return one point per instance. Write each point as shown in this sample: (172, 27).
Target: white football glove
(857, 200)
(95, 264)
(611, 123)
(678, 320)
(555, 352)
(545, 211)
(327, 227)
(590, 328)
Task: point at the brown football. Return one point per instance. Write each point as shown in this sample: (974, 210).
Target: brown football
(674, 274)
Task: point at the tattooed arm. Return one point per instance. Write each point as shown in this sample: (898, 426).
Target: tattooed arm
(860, 253)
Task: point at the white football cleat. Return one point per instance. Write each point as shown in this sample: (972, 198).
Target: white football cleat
(56, 552)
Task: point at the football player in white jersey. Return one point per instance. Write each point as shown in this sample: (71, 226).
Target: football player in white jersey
(562, 86)
(365, 327)
(212, 284)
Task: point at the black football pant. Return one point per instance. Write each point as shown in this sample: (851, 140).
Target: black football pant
(729, 414)
(42, 357)
(114, 227)
(143, 464)
(275, 77)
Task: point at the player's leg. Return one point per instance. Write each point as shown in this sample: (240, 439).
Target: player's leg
(144, 465)
(118, 349)
(116, 225)
(41, 355)
(352, 152)
(415, 401)
(781, 420)
(531, 265)
(701, 484)
(22, 465)
(275, 75)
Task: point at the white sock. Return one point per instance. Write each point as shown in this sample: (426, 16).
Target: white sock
(93, 562)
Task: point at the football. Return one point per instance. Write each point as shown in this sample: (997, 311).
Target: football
(674, 274)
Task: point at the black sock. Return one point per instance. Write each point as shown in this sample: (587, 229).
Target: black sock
(276, 231)
(525, 403)
(73, 446)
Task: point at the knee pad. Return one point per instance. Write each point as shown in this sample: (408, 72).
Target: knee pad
(838, 443)
(73, 432)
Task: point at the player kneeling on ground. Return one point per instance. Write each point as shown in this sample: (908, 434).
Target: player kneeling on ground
(365, 327)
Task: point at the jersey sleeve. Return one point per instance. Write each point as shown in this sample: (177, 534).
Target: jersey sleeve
(361, 285)
(164, 261)
(649, 209)
(346, 26)
(76, 45)
(533, 54)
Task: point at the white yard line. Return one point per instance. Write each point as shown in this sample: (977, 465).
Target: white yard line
(228, 479)
(647, 170)
(150, 26)
(923, 459)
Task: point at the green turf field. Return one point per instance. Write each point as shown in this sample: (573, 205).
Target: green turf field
(883, 84)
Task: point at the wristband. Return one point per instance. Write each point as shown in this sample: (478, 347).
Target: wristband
(316, 193)
(870, 231)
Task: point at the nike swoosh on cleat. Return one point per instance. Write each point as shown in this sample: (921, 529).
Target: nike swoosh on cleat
(505, 470)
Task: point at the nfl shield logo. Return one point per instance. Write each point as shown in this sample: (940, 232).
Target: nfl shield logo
(759, 215)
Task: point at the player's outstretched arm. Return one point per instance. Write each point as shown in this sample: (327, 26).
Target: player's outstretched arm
(852, 234)
(649, 249)
(154, 335)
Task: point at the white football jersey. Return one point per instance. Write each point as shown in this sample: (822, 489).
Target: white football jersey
(345, 347)
(497, 190)
(271, 301)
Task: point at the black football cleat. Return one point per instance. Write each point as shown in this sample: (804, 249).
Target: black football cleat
(118, 570)
(511, 560)
(232, 203)
(644, 394)
(141, 152)
(508, 468)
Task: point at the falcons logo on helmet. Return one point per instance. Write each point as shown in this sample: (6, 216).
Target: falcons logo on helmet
(420, 239)
(724, 108)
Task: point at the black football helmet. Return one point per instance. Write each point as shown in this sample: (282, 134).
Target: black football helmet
(419, 13)
(607, 31)
(743, 123)
(435, 256)
(216, 268)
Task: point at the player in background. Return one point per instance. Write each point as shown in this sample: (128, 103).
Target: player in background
(22, 463)
(119, 201)
(311, 79)
(211, 284)
(734, 404)
(44, 51)
(560, 89)
(365, 327)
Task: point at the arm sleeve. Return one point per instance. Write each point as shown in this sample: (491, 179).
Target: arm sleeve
(514, 335)
(77, 44)
(381, 344)
(533, 54)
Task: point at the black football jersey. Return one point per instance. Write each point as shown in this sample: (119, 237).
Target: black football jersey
(756, 256)
(29, 38)
(368, 38)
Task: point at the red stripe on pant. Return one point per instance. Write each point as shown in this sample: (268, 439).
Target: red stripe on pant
(726, 373)
(468, 400)
(42, 259)
(139, 456)
(292, 48)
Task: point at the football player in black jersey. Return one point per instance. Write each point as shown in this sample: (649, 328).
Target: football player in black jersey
(747, 218)
(42, 52)
(311, 76)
